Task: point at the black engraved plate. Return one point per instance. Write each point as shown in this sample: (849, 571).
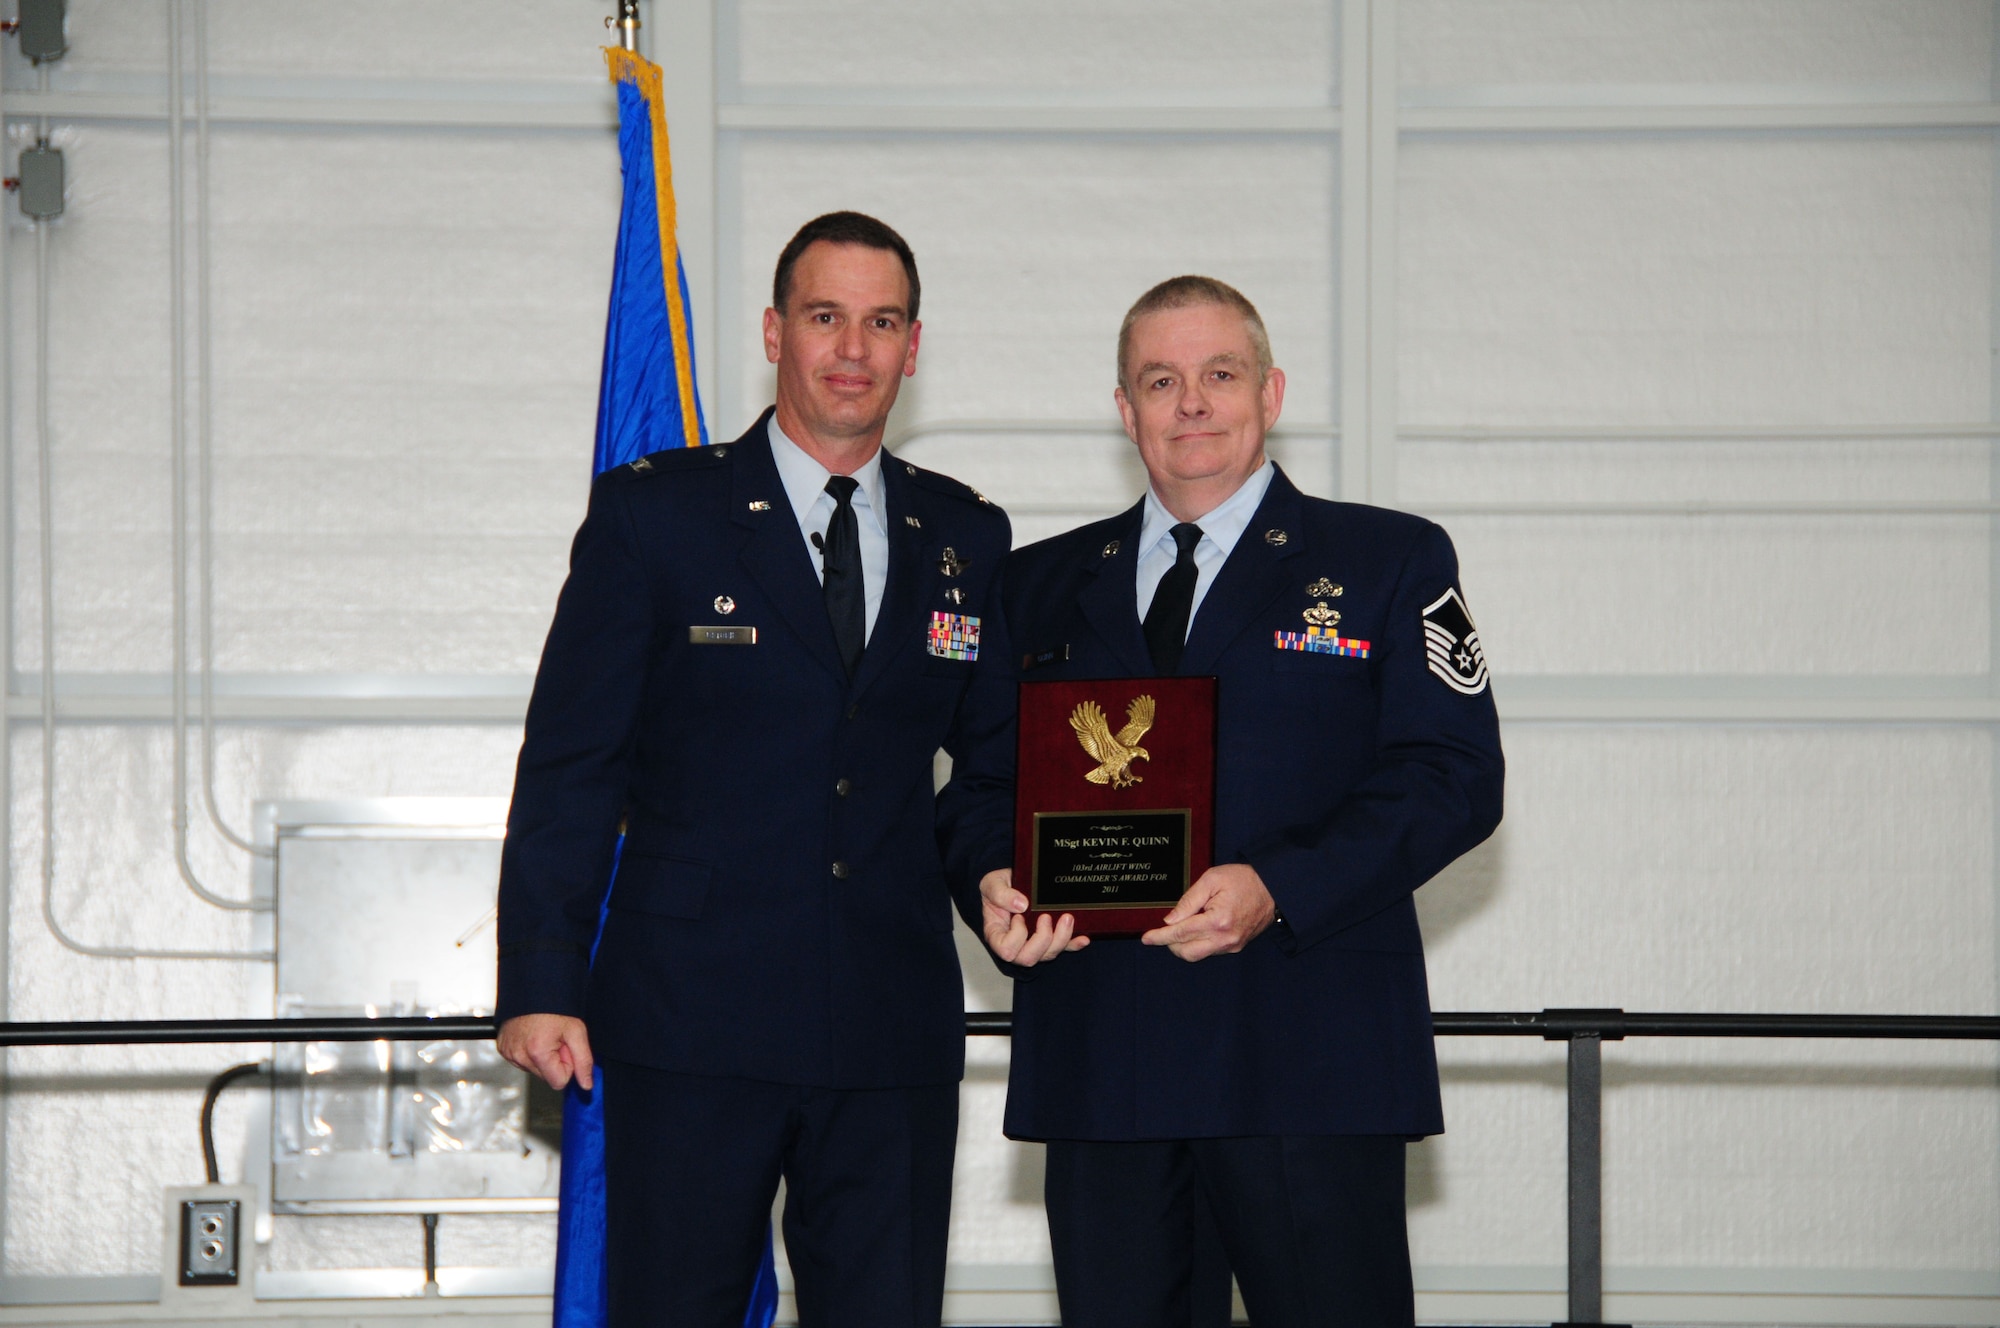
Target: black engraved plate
(1135, 859)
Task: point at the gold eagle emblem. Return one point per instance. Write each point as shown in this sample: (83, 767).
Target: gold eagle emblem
(1114, 756)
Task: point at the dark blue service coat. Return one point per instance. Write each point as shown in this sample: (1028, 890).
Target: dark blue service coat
(780, 911)
(1346, 781)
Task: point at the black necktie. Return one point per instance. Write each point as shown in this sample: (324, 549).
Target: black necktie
(1167, 617)
(846, 601)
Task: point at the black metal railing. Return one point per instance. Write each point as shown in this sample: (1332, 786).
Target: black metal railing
(1584, 1030)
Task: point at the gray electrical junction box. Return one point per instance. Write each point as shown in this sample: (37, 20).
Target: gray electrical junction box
(40, 171)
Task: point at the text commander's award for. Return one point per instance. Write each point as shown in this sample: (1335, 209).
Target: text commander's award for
(1114, 812)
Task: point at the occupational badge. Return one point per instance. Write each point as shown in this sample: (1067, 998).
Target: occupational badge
(950, 563)
(1319, 615)
(1325, 589)
(1451, 645)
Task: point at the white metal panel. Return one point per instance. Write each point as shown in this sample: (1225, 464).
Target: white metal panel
(1758, 50)
(1665, 868)
(532, 41)
(1832, 596)
(1680, 281)
(1173, 52)
(408, 330)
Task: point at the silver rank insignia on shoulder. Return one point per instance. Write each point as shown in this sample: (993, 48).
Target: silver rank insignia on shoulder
(760, 505)
(1111, 549)
(720, 452)
(913, 522)
(1325, 589)
(950, 563)
(955, 595)
(724, 604)
(641, 466)
(1275, 537)
(982, 497)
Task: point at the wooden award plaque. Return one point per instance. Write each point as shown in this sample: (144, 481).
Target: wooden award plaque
(1114, 798)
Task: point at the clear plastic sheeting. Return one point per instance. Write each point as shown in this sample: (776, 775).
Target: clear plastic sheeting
(396, 1099)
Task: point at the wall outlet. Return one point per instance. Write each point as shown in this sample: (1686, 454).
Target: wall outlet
(207, 1249)
(210, 1234)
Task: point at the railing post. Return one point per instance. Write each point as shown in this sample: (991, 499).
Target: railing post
(1586, 1032)
(1586, 1178)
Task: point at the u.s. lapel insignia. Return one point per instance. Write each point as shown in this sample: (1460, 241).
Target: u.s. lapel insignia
(1325, 589)
(913, 523)
(950, 563)
(1451, 645)
(760, 505)
(955, 595)
(1111, 549)
(1319, 615)
(1275, 537)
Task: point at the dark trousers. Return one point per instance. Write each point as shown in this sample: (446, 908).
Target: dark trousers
(692, 1167)
(1312, 1226)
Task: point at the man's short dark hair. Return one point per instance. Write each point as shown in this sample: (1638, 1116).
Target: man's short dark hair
(843, 228)
(1192, 292)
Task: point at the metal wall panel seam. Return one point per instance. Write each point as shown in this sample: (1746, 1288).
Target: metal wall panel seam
(1729, 433)
(687, 52)
(1383, 127)
(1630, 119)
(767, 117)
(1355, 346)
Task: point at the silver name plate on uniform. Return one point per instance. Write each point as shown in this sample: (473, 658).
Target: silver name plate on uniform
(722, 636)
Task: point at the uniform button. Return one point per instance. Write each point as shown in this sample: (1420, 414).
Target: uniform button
(840, 871)
(844, 787)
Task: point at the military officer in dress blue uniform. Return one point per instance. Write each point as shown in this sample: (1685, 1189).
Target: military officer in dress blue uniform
(760, 649)
(1253, 1067)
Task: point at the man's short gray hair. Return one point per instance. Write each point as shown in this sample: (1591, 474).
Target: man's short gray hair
(1189, 292)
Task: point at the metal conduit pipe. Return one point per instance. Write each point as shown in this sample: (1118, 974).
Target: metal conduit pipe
(7, 565)
(177, 305)
(46, 510)
(205, 434)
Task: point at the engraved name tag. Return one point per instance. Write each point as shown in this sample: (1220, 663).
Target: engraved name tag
(722, 636)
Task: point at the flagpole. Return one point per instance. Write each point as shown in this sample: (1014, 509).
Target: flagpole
(627, 24)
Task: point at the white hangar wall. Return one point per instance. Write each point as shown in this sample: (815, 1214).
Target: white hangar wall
(1679, 314)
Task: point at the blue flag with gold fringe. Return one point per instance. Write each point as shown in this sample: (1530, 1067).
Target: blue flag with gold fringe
(646, 401)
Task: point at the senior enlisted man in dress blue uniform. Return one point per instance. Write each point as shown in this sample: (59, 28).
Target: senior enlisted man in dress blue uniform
(1254, 1066)
(759, 651)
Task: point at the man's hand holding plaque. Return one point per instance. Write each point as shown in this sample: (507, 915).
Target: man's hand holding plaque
(1220, 914)
(1008, 933)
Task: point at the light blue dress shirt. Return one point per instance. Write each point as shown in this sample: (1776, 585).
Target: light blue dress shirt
(805, 485)
(1220, 529)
